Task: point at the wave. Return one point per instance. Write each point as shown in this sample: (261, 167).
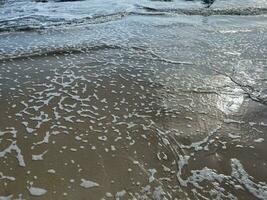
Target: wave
(209, 11)
(35, 22)
(58, 50)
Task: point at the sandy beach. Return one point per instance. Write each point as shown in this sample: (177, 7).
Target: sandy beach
(158, 105)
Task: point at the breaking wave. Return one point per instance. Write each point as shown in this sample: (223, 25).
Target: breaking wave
(36, 22)
(210, 11)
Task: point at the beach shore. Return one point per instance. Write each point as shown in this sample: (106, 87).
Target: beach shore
(145, 107)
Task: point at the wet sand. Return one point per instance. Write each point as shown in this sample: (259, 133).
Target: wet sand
(135, 122)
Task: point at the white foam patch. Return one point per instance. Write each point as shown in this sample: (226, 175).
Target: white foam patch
(259, 140)
(35, 191)
(6, 197)
(9, 130)
(233, 136)
(102, 138)
(229, 121)
(158, 193)
(88, 183)
(15, 148)
(204, 143)
(51, 171)
(152, 173)
(259, 190)
(2, 177)
(120, 194)
(39, 156)
(45, 140)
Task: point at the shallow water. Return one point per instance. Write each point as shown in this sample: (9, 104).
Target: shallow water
(139, 107)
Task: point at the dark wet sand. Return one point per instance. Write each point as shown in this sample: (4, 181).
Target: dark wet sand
(137, 126)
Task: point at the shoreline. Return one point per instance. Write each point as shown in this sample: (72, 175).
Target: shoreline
(144, 107)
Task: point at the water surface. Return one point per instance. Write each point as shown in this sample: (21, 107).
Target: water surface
(133, 100)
